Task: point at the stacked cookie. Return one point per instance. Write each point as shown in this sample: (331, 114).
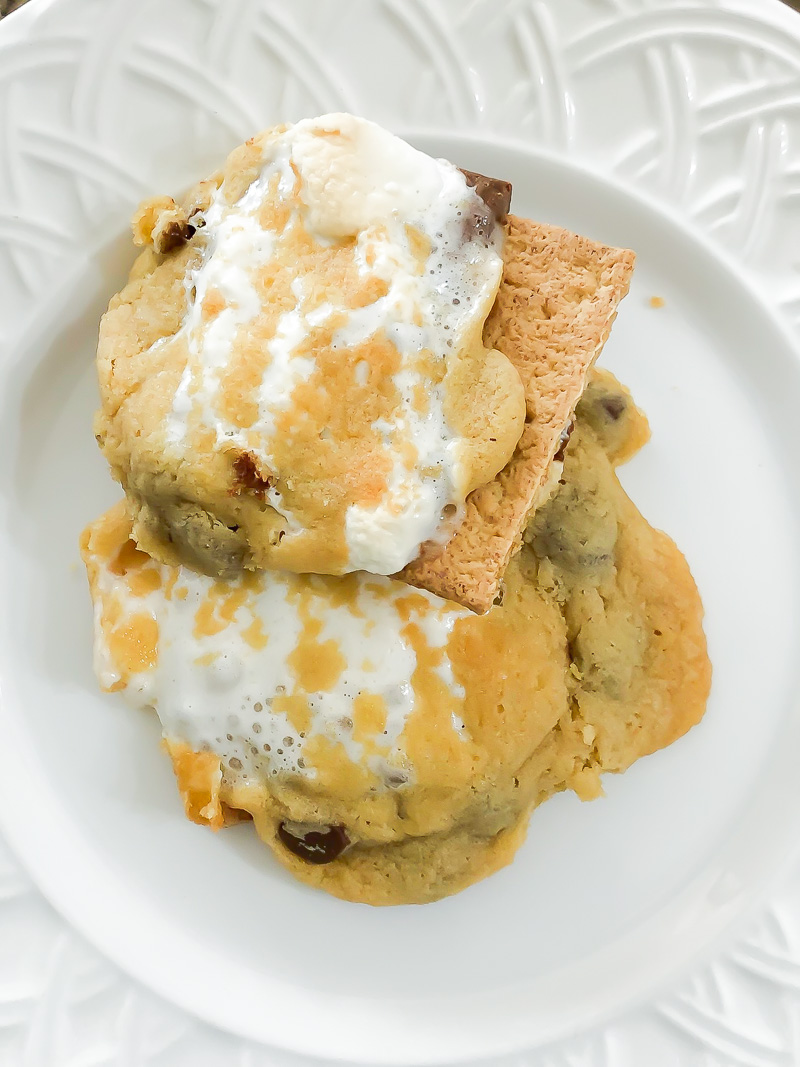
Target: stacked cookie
(377, 575)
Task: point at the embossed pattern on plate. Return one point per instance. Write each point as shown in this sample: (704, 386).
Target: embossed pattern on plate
(696, 102)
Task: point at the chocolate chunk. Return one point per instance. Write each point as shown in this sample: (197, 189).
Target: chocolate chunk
(203, 541)
(478, 224)
(494, 192)
(563, 441)
(248, 476)
(613, 406)
(174, 235)
(608, 411)
(574, 530)
(496, 196)
(314, 844)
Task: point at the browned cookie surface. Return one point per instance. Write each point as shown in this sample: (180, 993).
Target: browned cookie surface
(596, 657)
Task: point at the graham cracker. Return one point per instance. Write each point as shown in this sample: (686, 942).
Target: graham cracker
(553, 313)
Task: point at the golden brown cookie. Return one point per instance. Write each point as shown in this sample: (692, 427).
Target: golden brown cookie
(595, 658)
(295, 377)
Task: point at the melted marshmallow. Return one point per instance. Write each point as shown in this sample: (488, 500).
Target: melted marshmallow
(259, 669)
(343, 178)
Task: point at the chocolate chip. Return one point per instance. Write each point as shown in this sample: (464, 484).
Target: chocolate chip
(174, 235)
(248, 476)
(314, 844)
(494, 192)
(563, 441)
(613, 406)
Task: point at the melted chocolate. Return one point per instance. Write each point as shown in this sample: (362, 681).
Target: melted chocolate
(314, 844)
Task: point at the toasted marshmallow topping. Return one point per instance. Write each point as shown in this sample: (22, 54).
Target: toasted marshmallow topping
(339, 283)
(274, 672)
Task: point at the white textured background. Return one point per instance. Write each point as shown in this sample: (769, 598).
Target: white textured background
(695, 101)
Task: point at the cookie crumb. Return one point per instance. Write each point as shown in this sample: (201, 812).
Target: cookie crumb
(657, 301)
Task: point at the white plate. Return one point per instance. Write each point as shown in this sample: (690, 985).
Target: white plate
(606, 902)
